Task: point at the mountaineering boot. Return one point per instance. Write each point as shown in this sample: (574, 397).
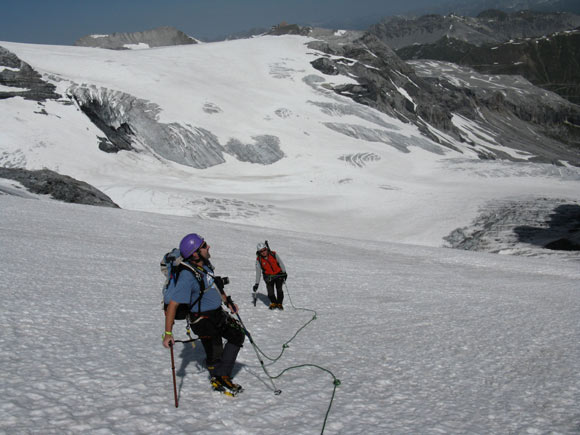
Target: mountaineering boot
(226, 381)
(280, 306)
(218, 384)
(273, 306)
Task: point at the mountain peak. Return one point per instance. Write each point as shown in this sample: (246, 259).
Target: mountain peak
(158, 37)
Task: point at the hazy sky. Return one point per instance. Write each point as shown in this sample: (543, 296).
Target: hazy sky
(64, 21)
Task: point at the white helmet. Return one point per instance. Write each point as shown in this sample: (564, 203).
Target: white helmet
(260, 246)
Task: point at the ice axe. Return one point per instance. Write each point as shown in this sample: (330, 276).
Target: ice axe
(173, 371)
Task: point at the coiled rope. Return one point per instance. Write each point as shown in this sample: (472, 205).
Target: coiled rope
(336, 381)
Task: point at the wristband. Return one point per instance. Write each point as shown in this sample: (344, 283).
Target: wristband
(166, 333)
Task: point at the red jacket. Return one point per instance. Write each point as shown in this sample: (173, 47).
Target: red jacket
(269, 264)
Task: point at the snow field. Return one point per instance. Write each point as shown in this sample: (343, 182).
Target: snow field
(423, 339)
(261, 86)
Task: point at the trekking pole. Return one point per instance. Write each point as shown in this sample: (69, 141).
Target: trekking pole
(173, 371)
(277, 392)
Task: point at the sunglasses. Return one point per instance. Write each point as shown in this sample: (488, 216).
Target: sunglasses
(203, 246)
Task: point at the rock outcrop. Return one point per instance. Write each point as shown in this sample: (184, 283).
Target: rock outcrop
(131, 124)
(551, 62)
(490, 26)
(542, 47)
(159, 37)
(59, 187)
(523, 227)
(24, 81)
(289, 29)
(385, 82)
(430, 95)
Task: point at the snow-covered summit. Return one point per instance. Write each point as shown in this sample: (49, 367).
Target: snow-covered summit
(158, 37)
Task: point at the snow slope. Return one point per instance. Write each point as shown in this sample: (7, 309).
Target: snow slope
(331, 181)
(423, 340)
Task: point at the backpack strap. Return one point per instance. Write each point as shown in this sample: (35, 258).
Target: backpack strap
(198, 273)
(173, 273)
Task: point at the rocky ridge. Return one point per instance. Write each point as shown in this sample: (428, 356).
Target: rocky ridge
(131, 124)
(532, 227)
(472, 8)
(59, 187)
(491, 26)
(18, 79)
(551, 62)
(545, 125)
(158, 37)
(542, 47)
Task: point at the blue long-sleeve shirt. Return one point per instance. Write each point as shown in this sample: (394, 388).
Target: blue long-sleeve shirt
(187, 289)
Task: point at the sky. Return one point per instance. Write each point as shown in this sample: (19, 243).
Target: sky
(62, 22)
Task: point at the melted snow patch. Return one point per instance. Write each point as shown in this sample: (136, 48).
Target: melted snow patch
(405, 94)
(12, 89)
(483, 137)
(139, 46)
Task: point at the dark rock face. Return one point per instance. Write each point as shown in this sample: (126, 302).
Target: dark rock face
(289, 29)
(131, 124)
(520, 115)
(526, 227)
(60, 187)
(26, 82)
(551, 62)
(126, 121)
(117, 138)
(489, 27)
(388, 84)
(447, 49)
(375, 65)
(325, 66)
(265, 150)
(496, 43)
(159, 37)
(564, 221)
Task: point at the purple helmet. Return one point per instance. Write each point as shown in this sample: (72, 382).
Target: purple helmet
(189, 244)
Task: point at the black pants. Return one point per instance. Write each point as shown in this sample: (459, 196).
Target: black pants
(278, 282)
(211, 327)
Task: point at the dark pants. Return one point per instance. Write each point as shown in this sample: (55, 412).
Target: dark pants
(278, 282)
(211, 328)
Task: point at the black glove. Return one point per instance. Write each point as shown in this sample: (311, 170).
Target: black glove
(284, 276)
(255, 287)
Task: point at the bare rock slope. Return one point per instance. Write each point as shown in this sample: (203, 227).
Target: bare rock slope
(159, 37)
